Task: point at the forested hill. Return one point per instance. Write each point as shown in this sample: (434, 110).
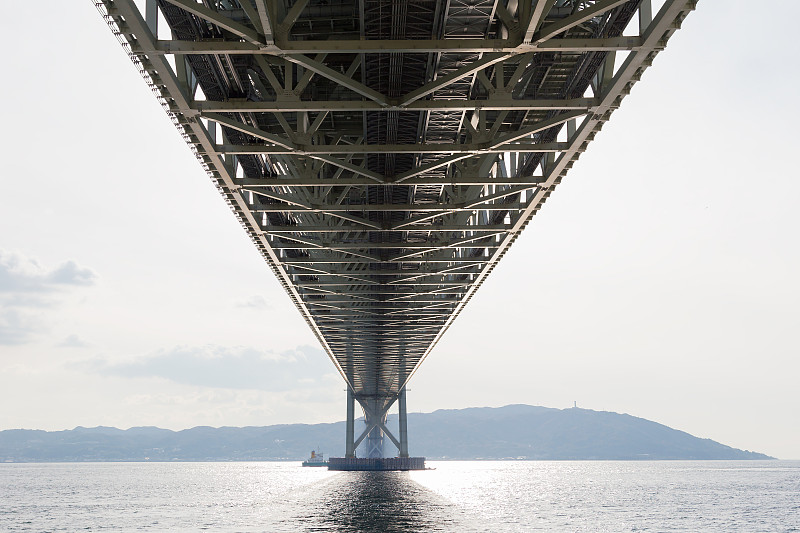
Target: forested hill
(510, 432)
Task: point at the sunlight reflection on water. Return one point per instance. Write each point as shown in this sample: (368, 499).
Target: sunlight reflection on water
(716, 496)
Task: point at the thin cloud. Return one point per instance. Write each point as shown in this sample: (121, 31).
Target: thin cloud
(223, 367)
(255, 301)
(27, 289)
(20, 274)
(69, 273)
(16, 328)
(72, 341)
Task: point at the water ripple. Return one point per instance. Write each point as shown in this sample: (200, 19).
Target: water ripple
(463, 497)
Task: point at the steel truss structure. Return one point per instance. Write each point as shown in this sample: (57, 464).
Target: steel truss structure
(383, 155)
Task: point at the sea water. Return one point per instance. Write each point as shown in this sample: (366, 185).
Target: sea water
(473, 496)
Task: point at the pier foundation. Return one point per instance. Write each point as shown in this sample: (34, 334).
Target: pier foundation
(375, 411)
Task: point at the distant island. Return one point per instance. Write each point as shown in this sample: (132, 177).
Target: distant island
(520, 432)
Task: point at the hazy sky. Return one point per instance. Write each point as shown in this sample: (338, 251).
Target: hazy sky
(660, 280)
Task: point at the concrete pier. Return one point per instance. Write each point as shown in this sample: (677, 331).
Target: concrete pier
(376, 463)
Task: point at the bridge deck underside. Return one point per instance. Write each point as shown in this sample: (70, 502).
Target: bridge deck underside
(383, 155)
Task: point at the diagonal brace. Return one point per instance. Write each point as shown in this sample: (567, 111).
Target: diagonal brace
(376, 421)
(435, 85)
(217, 19)
(598, 8)
(338, 77)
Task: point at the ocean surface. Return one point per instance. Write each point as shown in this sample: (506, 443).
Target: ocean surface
(473, 496)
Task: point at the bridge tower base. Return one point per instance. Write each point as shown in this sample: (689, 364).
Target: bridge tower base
(376, 463)
(374, 435)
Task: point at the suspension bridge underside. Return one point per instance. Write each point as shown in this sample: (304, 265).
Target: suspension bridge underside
(383, 155)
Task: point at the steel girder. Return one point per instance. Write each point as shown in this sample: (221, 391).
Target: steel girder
(384, 155)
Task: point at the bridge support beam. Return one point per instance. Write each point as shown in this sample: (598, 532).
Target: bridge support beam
(403, 423)
(350, 448)
(376, 421)
(375, 442)
(375, 435)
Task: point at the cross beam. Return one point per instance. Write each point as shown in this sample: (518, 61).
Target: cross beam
(344, 46)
